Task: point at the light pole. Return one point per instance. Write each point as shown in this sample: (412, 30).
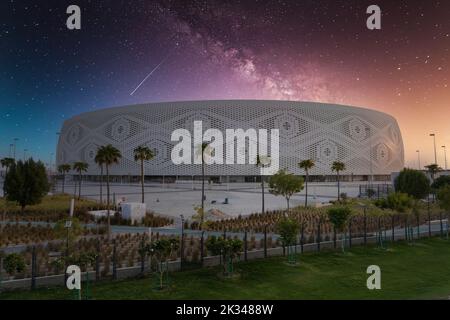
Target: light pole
(434, 143)
(15, 143)
(10, 149)
(24, 154)
(445, 157)
(418, 158)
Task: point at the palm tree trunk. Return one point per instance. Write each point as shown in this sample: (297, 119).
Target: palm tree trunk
(142, 179)
(101, 184)
(107, 203)
(64, 180)
(306, 190)
(339, 187)
(287, 200)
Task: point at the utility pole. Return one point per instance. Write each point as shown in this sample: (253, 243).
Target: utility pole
(15, 143)
(434, 143)
(418, 158)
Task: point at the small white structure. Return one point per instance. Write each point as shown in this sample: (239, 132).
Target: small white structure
(134, 211)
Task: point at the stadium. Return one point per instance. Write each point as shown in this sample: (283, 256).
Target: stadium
(368, 142)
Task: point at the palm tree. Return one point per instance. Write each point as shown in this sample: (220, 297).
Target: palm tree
(110, 155)
(306, 165)
(262, 162)
(99, 160)
(433, 169)
(80, 167)
(143, 153)
(63, 169)
(338, 167)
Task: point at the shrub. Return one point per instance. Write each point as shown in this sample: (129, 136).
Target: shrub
(14, 263)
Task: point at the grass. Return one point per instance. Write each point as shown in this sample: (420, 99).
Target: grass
(418, 271)
(54, 203)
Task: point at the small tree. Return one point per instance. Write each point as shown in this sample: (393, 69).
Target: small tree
(306, 165)
(399, 202)
(440, 182)
(229, 249)
(68, 234)
(288, 230)
(14, 263)
(63, 169)
(412, 182)
(339, 216)
(285, 184)
(26, 183)
(337, 167)
(161, 250)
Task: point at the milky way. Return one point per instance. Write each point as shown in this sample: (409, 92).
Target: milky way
(287, 50)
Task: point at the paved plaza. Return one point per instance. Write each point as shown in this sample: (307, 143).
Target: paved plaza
(181, 197)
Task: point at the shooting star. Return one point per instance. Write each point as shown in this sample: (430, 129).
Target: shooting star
(156, 68)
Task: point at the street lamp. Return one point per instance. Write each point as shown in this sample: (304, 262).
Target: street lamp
(434, 143)
(24, 154)
(418, 158)
(10, 149)
(445, 157)
(15, 143)
(182, 241)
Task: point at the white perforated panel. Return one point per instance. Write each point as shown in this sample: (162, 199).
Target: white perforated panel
(323, 132)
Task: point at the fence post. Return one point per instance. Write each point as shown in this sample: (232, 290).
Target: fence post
(334, 237)
(33, 268)
(97, 262)
(201, 248)
(302, 235)
(350, 233)
(406, 228)
(265, 241)
(429, 216)
(418, 227)
(393, 228)
(245, 245)
(318, 236)
(365, 227)
(114, 275)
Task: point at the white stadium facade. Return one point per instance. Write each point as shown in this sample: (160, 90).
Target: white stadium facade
(368, 142)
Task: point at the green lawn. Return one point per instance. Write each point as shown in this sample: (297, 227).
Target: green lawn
(414, 271)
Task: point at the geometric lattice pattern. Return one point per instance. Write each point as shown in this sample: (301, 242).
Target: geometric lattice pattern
(361, 138)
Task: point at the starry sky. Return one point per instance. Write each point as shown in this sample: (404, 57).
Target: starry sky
(286, 50)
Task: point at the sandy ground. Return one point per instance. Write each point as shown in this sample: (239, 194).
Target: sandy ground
(181, 198)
